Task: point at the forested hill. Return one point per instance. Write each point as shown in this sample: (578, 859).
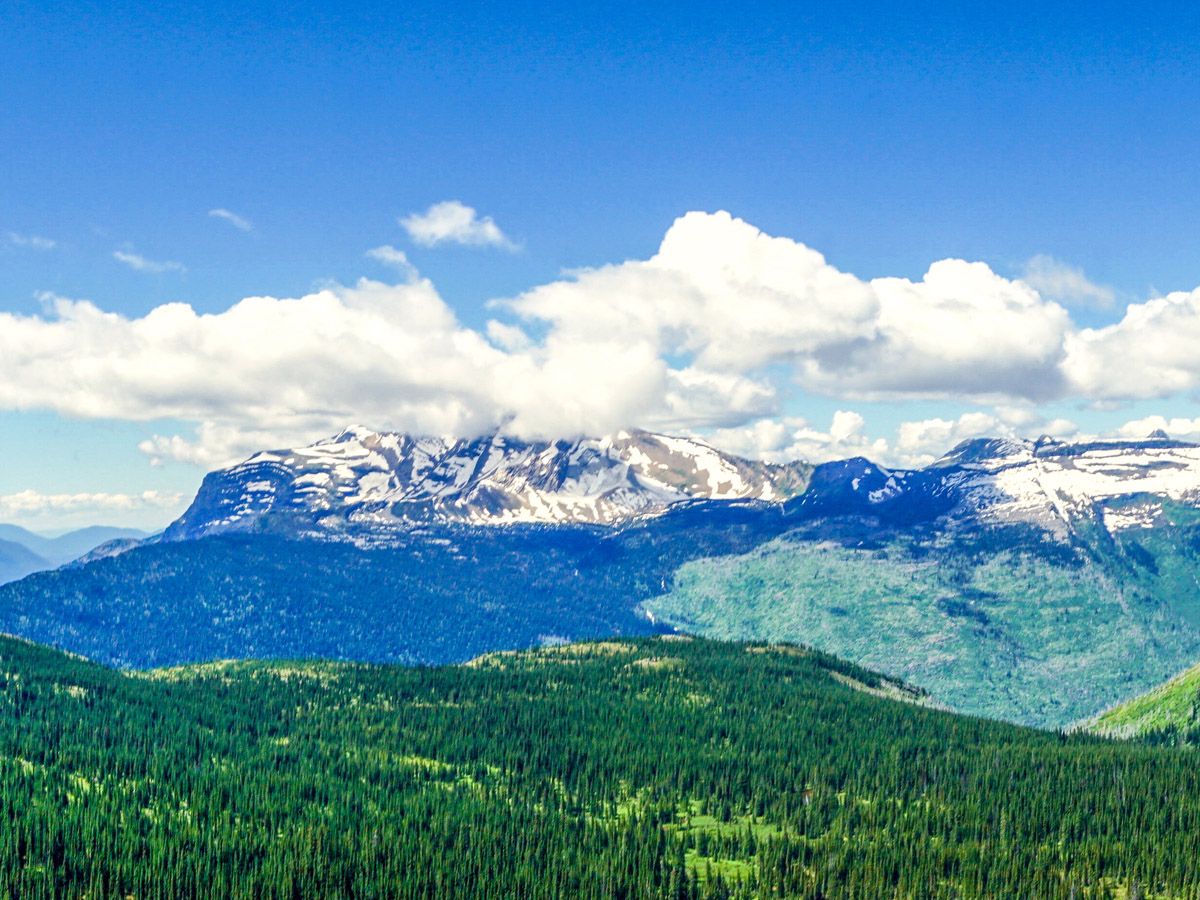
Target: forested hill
(1169, 714)
(649, 768)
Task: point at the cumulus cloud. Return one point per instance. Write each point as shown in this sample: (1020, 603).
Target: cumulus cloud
(1057, 280)
(914, 443)
(1179, 427)
(27, 241)
(139, 263)
(238, 222)
(961, 332)
(219, 444)
(453, 222)
(738, 299)
(920, 442)
(1150, 352)
(709, 334)
(781, 440)
(299, 362)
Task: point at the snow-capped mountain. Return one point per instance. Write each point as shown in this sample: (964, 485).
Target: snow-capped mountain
(1054, 485)
(367, 485)
(1049, 484)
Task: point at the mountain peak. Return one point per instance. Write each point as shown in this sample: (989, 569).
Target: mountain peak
(363, 485)
(985, 450)
(350, 433)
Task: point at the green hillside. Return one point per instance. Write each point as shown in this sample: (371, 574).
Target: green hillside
(649, 768)
(1168, 714)
(999, 622)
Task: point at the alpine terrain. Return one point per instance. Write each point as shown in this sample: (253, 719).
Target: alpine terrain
(364, 486)
(1037, 581)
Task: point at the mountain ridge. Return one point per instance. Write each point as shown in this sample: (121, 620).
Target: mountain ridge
(366, 486)
(23, 552)
(65, 547)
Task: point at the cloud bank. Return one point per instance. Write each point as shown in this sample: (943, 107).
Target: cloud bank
(708, 335)
(35, 509)
(27, 503)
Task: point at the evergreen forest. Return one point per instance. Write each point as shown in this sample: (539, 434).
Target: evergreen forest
(654, 767)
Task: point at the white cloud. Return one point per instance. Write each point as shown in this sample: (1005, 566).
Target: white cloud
(139, 263)
(961, 332)
(25, 503)
(38, 510)
(238, 222)
(1180, 428)
(508, 337)
(1057, 280)
(28, 241)
(1150, 352)
(738, 300)
(914, 444)
(708, 334)
(217, 445)
(919, 443)
(452, 222)
(389, 256)
(301, 363)
(786, 439)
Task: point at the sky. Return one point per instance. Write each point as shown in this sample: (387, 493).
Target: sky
(798, 230)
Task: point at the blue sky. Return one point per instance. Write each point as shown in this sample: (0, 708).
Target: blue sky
(886, 137)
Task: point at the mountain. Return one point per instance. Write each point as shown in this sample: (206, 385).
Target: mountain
(657, 768)
(17, 561)
(1060, 487)
(1029, 580)
(23, 552)
(54, 551)
(1035, 581)
(366, 487)
(430, 596)
(1054, 486)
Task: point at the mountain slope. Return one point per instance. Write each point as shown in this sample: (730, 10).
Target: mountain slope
(1032, 581)
(367, 487)
(1005, 626)
(653, 768)
(436, 597)
(1170, 713)
(17, 561)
